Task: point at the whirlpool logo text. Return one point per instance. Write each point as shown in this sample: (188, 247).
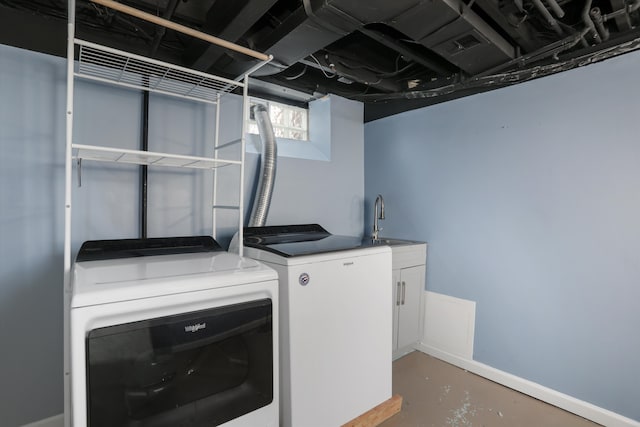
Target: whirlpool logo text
(194, 328)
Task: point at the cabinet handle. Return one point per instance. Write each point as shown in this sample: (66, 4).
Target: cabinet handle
(404, 287)
(398, 293)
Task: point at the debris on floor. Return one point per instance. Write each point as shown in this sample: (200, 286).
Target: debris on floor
(454, 398)
(463, 414)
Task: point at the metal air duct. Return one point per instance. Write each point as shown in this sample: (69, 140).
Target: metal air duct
(268, 160)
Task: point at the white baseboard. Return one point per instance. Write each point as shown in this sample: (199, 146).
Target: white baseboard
(571, 404)
(55, 421)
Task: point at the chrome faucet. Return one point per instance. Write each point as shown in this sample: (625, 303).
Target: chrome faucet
(377, 216)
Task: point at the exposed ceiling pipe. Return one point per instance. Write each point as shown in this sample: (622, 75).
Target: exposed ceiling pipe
(547, 16)
(586, 18)
(496, 78)
(518, 76)
(555, 7)
(598, 21)
(622, 21)
(434, 64)
(623, 12)
(545, 52)
(317, 24)
(269, 156)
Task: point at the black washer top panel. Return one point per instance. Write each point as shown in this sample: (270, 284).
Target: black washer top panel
(297, 240)
(96, 250)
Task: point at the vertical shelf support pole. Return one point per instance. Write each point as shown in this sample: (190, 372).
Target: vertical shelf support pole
(214, 196)
(67, 209)
(245, 120)
(69, 139)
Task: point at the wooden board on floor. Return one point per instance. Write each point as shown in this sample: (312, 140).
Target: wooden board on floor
(379, 414)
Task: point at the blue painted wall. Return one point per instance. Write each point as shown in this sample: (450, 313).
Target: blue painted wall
(529, 197)
(32, 143)
(31, 232)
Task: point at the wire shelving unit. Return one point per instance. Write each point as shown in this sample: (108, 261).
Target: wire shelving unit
(94, 62)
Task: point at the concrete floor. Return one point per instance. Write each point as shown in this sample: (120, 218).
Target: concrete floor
(437, 394)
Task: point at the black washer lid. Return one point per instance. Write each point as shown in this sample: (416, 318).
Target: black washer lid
(283, 234)
(96, 250)
(298, 240)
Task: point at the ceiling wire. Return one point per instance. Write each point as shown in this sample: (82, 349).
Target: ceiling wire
(322, 68)
(380, 73)
(300, 74)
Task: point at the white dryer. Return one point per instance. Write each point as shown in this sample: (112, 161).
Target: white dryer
(335, 322)
(159, 337)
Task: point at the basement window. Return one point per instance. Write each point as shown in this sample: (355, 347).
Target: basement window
(313, 125)
(288, 121)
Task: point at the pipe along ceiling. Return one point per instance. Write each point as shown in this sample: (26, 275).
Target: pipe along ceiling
(392, 56)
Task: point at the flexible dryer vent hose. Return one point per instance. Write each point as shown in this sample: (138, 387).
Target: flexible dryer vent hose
(269, 156)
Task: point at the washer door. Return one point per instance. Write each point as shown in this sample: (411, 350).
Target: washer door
(193, 369)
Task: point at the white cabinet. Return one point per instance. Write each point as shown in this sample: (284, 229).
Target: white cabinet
(409, 268)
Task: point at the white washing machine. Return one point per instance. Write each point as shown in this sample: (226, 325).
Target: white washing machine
(335, 322)
(159, 337)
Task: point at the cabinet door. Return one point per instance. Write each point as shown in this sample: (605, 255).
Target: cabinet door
(411, 289)
(396, 283)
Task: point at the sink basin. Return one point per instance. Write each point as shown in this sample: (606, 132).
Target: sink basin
(387, 242)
